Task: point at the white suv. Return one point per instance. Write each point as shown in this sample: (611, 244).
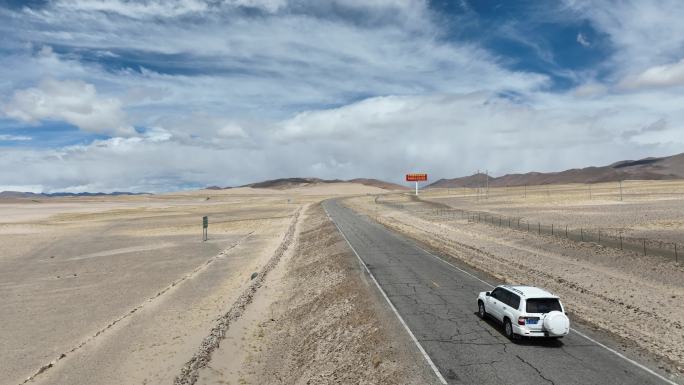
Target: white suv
(525, 311)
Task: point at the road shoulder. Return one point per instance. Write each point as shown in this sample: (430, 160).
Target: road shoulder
(317, 319)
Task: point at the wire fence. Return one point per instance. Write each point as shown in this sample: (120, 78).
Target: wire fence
(619, 190)
(605, 237)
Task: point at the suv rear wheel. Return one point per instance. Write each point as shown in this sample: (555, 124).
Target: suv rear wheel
(481, 310)
(508, 329)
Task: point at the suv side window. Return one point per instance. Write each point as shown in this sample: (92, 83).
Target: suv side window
(514, 301)
(497, 293)
(505, 296)
(510, 299)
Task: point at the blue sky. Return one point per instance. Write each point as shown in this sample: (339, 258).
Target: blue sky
(104, 95)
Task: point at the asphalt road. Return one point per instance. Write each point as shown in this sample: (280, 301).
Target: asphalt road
(437, 301)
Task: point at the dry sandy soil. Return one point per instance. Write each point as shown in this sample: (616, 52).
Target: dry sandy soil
(651, 209)
(317, 321)
(618, 292)
(123, 289)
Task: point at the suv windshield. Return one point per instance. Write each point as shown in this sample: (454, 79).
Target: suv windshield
(543, 305)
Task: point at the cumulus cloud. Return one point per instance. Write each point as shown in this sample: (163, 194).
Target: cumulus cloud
(200, 128)
(72, 101)
(302, 88)
(444, 135)
(667, 75)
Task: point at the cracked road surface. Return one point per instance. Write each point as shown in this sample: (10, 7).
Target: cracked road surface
(438, 303)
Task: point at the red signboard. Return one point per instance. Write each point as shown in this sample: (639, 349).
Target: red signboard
(416, 177)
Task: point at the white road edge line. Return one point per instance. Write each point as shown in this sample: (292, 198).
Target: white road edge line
(396, 313)
(631, 361)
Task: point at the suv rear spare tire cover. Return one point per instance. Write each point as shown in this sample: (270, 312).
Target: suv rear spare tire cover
(556, 322)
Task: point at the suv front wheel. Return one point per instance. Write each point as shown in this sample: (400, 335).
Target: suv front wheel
(481, 310)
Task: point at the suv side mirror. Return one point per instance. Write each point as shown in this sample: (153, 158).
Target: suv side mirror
(488, 293)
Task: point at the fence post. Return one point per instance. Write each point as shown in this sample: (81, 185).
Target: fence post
(539, 226)
(620, 241)
(644, 246)
(566, 231)
(552, 229)
(676, 256)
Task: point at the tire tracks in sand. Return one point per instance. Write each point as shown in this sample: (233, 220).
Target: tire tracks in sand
(128, 314)
(190, 371)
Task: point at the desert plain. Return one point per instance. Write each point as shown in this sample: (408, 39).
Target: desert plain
(122, 289)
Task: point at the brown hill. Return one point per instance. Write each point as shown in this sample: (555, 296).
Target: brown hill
(671, 167)
(378, 183)
(288, 183)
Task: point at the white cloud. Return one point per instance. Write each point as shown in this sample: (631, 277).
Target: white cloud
(667, 75)
(582, 40)
(591, 89)
(8, 138)
(267, 5)
(643, 33)
(136, 9)
(73, 101)
(143, 9)
(245, 98)
(444, 135)
(200, 128)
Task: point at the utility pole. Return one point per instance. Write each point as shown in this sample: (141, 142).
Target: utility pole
(487, 188)
(620, 190)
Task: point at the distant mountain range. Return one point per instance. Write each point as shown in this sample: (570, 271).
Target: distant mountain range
(288, 183)
(21, 194)
(670, 167)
